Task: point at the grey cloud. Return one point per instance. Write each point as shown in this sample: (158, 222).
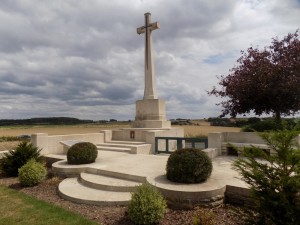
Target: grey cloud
(85, 59)
(193, 18)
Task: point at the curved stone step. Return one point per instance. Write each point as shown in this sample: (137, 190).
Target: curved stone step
(107, 183)
(103, 147)
(126, 142)
(115, 174)
(70, 189)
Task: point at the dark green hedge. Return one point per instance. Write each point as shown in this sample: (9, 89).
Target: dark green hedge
(82, 153)
(189, 166)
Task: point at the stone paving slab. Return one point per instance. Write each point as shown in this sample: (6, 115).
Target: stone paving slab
(108, 183)
(153, 166)
(72, 190)
(152, 169)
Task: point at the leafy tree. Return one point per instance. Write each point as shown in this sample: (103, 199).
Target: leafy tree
(264, 81)
(274, 179)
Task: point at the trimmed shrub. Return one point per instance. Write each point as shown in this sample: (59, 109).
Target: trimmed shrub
(188, 166)
(147, 205)
(82, 153)
(32, 173)
(15, 159)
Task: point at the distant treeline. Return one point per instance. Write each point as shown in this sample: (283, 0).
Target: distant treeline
(256, 124)
(226, 122)
(44, 121)
(236, 122)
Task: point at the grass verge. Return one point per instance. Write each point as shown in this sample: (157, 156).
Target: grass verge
(17, 208)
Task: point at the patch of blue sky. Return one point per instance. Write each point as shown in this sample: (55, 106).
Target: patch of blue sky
(187, 56)
(253, 3)
(215, 59)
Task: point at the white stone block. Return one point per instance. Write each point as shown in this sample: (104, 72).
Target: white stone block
(151, 113)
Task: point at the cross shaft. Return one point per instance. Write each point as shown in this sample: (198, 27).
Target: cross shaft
(150, 84)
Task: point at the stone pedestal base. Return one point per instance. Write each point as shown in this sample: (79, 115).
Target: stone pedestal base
(146, 135)
(151, 124)
(151, 113)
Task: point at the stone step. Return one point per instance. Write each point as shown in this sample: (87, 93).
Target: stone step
(118, 175)
(115, 149)
(133, 147)
(125, 145)
(126, 142)
(107, 183)
(71, 189)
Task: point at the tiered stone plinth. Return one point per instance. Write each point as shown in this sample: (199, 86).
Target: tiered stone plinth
(114, 175)
(151, 113)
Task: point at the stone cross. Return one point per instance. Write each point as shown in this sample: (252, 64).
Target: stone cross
(150, 84)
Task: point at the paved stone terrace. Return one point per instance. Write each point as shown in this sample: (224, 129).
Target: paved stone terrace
(152, 169)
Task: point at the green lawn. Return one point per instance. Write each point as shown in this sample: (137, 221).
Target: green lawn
(18, 208)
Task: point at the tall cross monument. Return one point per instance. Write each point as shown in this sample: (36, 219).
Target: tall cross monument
(150, 112)
(150, 83)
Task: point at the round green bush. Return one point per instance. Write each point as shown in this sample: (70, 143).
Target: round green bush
(82, 153)
(147, 205)
(188, 166)
(32, 173)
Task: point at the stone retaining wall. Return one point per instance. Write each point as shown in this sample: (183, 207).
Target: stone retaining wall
(218, 139)
(52, 145)
(238, 196)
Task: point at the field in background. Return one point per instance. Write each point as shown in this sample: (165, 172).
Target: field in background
(59, 129)
(190, 130)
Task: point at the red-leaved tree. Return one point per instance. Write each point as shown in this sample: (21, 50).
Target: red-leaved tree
(264, 81)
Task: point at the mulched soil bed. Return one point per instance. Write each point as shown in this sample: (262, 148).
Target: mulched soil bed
(114, 215)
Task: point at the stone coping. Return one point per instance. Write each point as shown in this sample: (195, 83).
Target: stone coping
(70, 143)
(146, 129)
(2, 153)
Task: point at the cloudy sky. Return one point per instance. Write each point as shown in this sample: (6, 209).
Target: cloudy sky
(84, 59)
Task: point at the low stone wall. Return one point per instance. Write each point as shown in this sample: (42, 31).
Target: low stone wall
(229, 194)
(186, 200)
(2, 153)
(52, 145)
(215, 140)
(238, 196)
(211, 152)
(218, 139)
